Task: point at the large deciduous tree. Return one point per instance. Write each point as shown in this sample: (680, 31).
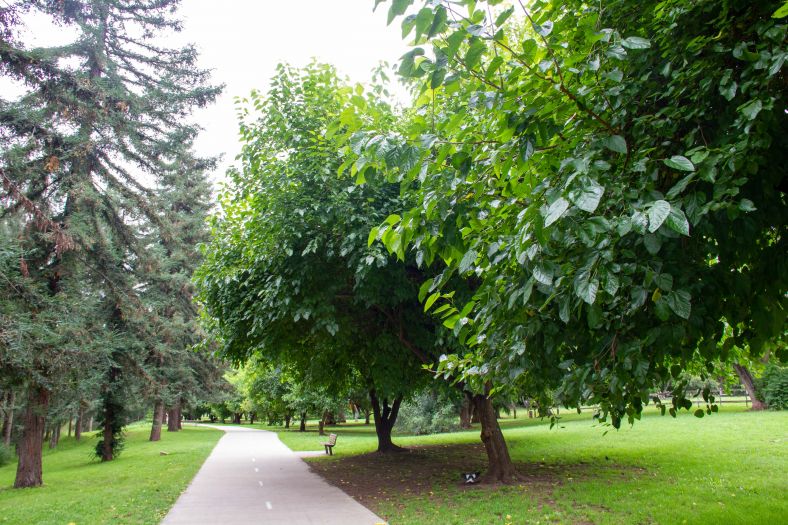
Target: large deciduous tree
(289, 276)
(611, 176)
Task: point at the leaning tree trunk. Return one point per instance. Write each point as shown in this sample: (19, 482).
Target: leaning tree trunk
(8, 418)
(302, 426)
(466, 410)
(28, 470)
(749, 386)
(500, 466)
(158, 417)
(384, 421)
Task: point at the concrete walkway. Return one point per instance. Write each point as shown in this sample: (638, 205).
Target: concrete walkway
(252, 477)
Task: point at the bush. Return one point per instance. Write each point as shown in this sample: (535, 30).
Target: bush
(428, 413)
(6, 455)
(773, 387)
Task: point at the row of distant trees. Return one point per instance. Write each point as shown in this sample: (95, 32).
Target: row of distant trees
(103, 204)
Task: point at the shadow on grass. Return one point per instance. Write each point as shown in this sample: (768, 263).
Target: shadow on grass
(436, 471)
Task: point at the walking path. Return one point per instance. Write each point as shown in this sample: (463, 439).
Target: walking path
(252, 477)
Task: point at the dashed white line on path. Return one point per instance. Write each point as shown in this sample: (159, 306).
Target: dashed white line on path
(256, 469)
(261, 483)
(268, 505)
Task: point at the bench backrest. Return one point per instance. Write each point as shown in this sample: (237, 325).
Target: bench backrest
(332, 439)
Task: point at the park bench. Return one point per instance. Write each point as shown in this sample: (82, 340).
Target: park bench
(329, 445)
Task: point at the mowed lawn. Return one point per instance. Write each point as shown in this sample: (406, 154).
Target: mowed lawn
(140, 486)
(729, 468)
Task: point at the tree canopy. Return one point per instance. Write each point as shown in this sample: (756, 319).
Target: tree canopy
(611, 175)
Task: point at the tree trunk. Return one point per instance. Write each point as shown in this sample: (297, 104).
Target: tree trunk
(302, 427)
(79, 423)
(252, 415)
(500, 467)
(172, 419)
(288, 417)
(70, 425)
(179, 419)
(367, 413)
(28, 470)
(237, 418)
(54, 439)
(749, 386)
(107, 454)
(158, 417)
(466, 410)
(8, 419)
(322, 423)
(384, 421)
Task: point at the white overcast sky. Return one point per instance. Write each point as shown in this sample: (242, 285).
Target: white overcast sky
(242, 41)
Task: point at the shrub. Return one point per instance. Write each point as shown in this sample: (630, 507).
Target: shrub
(428, 413)
(6, 455)
(773, 387)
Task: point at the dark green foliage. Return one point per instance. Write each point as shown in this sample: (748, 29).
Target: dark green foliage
(428, 412)
(773, 387)
(610, 178)
(6, 455)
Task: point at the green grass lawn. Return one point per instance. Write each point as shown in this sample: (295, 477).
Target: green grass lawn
(727, 468)
(140, 486)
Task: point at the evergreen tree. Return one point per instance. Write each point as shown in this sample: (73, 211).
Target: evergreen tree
(100, 115)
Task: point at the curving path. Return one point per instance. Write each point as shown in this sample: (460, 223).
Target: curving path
(252, 477)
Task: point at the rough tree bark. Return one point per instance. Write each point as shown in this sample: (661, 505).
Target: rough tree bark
(8, 417)
(302, 426)
(500, 469)
(28, 470)
(158, 418)
(749, 385)
(384, 421)
(288, 417)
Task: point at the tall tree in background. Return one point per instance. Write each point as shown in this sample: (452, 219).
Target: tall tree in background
(99, 116)
(289, 276)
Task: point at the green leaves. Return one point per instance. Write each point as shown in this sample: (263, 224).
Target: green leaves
(398, 7)
(555, 211)
(677, 221)
(677, 162)
(657, 213)
(679, 302)
(588, 196)
(466, 263)
(751, 109)
(636, 42)
(616, 143)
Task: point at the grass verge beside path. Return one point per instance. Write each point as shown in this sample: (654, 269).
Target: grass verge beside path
(727, 468)
(138, 487)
